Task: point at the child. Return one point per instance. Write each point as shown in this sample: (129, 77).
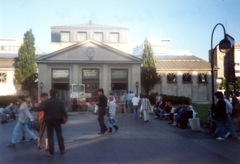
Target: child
(112, 115)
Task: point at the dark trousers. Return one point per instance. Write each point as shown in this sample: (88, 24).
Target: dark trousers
(101, 113)
(51, 125)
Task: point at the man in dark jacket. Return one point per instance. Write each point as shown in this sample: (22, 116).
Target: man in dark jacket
(54, 110)
(102, 105)
(220, 116)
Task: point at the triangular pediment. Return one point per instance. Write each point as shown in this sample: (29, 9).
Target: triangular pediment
(89, 51)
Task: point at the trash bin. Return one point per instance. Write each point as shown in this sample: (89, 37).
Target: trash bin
(194, 124)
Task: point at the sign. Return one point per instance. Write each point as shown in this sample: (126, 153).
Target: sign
(119, 74)
(60, 73)
(90, 74)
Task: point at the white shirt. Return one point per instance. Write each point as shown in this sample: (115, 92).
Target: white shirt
(135, 100)
(112, 108)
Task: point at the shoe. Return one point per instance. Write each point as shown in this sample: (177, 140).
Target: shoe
(49, 155)
(227, 135)
(116, 128)
(220, 139)
(110, 130)
(12, 145)
(23, 139)
(31, 139)
(62, 152)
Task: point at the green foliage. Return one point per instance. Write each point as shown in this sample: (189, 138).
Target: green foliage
(26, 66)
(147, 57)
(149, 75)
(6, 100)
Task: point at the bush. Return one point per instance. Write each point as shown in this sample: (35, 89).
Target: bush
(6, 100)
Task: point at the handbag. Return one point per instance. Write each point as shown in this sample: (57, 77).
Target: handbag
(64, 119)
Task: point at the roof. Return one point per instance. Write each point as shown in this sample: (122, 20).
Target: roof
(181, 63)
(89, 25)
(7, 63)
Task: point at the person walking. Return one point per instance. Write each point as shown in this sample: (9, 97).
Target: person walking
(102, 105)
(54, 111)
(112, 115)
(42, 124)
(135, 101)
(24, 114)
(146, 107)
(228, 123)
(220, 116)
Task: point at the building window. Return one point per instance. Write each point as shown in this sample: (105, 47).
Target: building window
(171, 78)
(202, 78)
(3, 77)
(81, 36)
(114, 37)
(65, 36)
(98, 36)
(187, 78)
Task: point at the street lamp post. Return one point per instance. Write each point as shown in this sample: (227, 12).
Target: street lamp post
(41, 86)
(224, 47)
(137, 84)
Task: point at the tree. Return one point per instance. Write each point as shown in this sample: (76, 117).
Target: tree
(149, 75)
(25, 73)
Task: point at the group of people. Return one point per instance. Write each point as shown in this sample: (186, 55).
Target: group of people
(50, 116)
(222, 118)
(178, 117)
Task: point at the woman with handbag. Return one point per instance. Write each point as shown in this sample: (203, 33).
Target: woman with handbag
(41, 123)
(24, 114)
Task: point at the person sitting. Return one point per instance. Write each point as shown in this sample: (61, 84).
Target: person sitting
(157, 111)
(181, 113)
(166, 110)
(171, 115)
(10, 109)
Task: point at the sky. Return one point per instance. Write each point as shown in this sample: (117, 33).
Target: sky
(187, 23)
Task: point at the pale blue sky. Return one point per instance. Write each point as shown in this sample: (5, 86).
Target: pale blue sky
(188, 23)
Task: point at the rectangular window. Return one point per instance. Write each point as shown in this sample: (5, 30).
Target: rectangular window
(65, 36)
(98, 36)
(3, 77)
(81, 36)
(114, 37)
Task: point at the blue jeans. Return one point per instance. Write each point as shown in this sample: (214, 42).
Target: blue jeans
(229, 125)
(135, 110)
(16, 130)
(220, 130)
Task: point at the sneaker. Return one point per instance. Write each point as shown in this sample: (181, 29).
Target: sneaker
(12, 145)
(227, 135)
(220, 139)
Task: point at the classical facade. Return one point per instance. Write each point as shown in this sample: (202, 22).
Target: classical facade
(87, 54)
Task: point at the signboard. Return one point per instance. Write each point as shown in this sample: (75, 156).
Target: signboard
(90, 73)
(119, 74)
(60, 73)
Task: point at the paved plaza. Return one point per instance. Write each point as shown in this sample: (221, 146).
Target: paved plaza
(135, 142)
